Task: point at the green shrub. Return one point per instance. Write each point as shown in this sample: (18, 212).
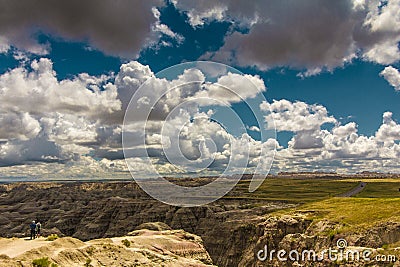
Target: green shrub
(332, 233)
(52, 237)
(126, 243)
(90, 250)
(43, 262)
(88, 263)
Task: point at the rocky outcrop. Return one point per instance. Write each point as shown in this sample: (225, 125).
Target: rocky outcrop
(140, 248)
(154, 226)
(297, 233)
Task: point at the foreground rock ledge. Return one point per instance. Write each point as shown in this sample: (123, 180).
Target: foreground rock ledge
(139, 248)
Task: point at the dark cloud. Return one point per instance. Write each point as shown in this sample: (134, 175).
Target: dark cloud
(307, 140)
(119, 27)
(310, 34)
(33, 150)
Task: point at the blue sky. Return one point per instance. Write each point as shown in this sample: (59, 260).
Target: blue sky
(346, 69)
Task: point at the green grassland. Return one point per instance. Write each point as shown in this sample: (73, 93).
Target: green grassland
(355, 213)
(293, 190)
(305, 190)
(378, 202)
(380, 190)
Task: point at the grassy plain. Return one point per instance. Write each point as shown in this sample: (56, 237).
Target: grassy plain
(294, 190)
(379, 201)
(305, 190)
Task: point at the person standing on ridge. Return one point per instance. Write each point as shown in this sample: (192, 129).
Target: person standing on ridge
(38, 227)
(33, 230)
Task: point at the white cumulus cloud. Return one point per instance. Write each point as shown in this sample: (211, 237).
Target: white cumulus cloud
(295, 116)
(392, 75)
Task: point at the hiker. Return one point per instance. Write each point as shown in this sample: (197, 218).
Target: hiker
(33, 230)
(38, 227)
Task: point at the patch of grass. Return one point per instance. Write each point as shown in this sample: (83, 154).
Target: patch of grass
(355, 213)
(90, 250)
(293, 190)
(378, 189)
(43, 262)
(88, 263)
(332, 233)
(126, 243)
(52, 237)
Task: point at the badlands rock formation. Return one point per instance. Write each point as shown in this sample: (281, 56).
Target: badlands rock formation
(139, 248)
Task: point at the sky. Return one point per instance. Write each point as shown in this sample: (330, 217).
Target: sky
(321, 77)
